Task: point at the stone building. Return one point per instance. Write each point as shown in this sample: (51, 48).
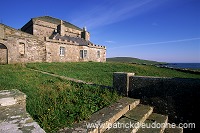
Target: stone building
(47, 39)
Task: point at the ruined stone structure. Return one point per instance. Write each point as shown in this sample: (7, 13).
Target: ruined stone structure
(47, 39)
(13, 115)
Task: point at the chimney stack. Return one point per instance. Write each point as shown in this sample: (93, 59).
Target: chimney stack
(85, 35)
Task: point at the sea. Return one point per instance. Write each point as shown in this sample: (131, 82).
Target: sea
(194, 66)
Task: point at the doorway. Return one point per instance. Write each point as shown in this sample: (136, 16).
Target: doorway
(3, 54)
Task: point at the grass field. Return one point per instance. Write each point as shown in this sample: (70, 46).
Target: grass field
(54, 103)
(101, 73)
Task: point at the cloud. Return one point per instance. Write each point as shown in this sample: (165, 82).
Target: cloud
(108, 12)
(154, 43)
(109, 41)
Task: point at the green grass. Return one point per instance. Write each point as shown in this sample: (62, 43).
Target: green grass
(54, 103)
(102, 73)
(132, 60)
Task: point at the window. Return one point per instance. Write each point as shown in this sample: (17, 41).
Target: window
(21, 48)
(98, 54)
(83, 54)
(62, 51)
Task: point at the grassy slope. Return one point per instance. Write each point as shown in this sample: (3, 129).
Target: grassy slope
(56, 103)
(132, 60)
(51, 101)
(101, 73)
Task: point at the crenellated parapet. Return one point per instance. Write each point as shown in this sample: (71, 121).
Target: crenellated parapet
(96, 46)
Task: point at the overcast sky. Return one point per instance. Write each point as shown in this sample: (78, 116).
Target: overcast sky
(161, 30)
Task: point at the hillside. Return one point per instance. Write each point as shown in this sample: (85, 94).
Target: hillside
(132, 60)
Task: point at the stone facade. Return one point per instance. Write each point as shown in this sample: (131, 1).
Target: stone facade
(47, 39)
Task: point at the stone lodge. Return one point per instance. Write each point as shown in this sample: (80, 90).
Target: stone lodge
(48, 39)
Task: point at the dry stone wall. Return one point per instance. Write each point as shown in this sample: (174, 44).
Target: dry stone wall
(176, 97)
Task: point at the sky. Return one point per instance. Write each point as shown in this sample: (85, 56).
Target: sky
(160, 30)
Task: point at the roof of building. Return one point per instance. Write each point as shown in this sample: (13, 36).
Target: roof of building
(78, 40)
(56, 21)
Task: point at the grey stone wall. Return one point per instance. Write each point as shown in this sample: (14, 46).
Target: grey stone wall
(121, 82)
(176, 97)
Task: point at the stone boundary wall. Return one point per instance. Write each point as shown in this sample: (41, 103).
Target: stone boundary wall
(176, 97)
(180, 69)
(13, 115)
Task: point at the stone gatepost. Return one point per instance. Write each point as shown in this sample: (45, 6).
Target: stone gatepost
(121, 82)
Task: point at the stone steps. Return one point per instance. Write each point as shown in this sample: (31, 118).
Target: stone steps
(135, 116)
(123, 113)
(107, 116)
(173, 130)
(157, 119)
(13, 115)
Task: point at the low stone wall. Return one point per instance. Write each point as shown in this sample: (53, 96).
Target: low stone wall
(176, 97)
(13, 115)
